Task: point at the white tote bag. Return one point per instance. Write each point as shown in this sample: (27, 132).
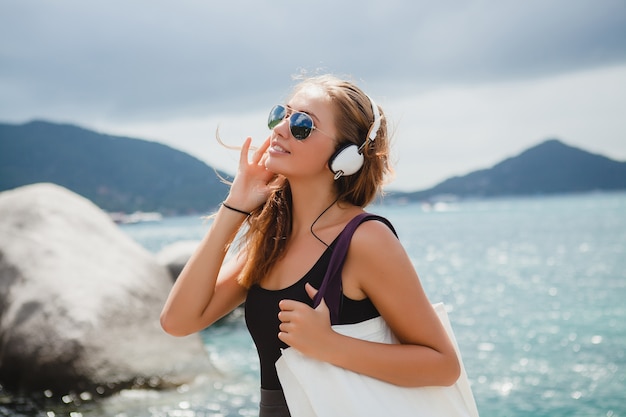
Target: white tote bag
(318, 389)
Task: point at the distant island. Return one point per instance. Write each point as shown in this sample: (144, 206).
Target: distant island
(128, 175)
(551, 167)
(118, 174)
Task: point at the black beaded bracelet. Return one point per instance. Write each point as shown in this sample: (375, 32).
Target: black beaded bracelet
(235, 209)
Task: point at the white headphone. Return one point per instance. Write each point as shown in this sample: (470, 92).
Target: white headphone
(348, 159)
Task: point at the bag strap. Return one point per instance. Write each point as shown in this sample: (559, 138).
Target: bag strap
(331, 288)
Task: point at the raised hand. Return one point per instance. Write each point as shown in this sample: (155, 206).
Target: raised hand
(253, 182)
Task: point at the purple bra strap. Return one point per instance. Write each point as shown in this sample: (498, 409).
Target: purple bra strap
(331, 288)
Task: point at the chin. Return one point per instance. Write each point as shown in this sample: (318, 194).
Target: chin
(275, 166)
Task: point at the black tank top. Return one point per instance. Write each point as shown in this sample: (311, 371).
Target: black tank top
(261, 313)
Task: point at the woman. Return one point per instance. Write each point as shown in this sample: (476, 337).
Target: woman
(295, 207)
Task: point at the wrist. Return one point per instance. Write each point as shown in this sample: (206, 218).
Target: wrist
(235, 209)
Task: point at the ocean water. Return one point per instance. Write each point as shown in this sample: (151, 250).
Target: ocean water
(537, 294)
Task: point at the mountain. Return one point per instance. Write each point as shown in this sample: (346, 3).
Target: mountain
(548, 168)
(127, 175)
(116, 173)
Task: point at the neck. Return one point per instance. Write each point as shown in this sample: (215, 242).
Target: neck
(315, 212)
(309, 201)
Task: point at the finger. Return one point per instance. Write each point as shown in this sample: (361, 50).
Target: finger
(284, 337)
(243, 156)
(287, 305)
(264, 158)
(322, 307)
(260, 152)
(283, 316)
(310, 290)
(266, 145)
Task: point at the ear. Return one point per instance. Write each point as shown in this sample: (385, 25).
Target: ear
(347, 160)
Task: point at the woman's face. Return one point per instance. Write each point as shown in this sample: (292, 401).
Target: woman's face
(300, 158)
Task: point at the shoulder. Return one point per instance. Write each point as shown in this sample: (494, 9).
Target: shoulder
(374, 236)
(377, 265)
(374, 226)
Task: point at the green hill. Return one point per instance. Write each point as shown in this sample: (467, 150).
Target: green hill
(127, 175)
(116, 173)
(548, 168)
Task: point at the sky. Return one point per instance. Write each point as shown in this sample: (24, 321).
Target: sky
(464, 84)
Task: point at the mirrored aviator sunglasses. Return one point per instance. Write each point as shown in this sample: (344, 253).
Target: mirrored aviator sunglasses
(300, 124)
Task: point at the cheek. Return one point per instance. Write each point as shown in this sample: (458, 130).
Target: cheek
(317, 157)
(305, 159)
(310, 164)
(314, 165)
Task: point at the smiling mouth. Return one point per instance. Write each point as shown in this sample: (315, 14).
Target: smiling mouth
(278, 148)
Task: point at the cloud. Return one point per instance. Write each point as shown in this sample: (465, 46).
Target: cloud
(152, 59)
(454, 131)
(446, 131)
(469, 82)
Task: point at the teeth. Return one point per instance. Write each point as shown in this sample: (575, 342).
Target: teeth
(279, 148)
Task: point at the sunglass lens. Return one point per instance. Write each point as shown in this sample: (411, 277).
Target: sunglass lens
(301, 125)
(277, 114)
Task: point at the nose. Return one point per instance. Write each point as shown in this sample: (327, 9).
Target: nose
(282, 128)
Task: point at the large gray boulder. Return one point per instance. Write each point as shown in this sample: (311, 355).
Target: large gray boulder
(176, 255)
(80, 301)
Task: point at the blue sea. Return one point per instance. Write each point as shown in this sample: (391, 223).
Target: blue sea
(536, 289)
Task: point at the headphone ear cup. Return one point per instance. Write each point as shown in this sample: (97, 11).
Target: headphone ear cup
(347, 160)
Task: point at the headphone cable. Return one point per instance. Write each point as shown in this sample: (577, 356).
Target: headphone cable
(318, 217)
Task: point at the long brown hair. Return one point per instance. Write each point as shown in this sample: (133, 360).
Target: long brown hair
(269, 226)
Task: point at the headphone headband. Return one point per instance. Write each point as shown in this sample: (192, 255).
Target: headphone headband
(376, 124)
(348, 159)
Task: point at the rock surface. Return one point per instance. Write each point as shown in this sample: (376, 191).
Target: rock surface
(176, 255)
(80, 301)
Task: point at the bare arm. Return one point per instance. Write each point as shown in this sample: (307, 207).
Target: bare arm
(378, 267)
(207, 288)
(204, 291)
